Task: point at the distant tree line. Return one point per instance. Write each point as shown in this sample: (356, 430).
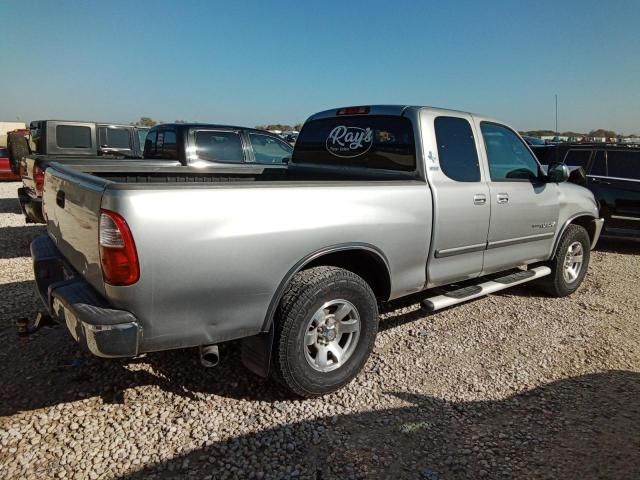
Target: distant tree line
(150, 122)
(600, 132)
(280, 126)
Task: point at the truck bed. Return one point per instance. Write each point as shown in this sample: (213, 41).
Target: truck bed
(231, 246)
(139, 173)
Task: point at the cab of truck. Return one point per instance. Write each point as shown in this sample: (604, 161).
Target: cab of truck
(62, 137)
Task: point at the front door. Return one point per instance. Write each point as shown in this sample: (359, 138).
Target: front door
(461, 201)
(524, 208)
(622, 185)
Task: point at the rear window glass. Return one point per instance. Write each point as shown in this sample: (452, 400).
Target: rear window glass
(219, 146)
(73, 136)
(170, 148)
(577, 158)
(624, 164)
(150, 144)
(377, 142)
(3, 152)
(457, 149)
(118, 138)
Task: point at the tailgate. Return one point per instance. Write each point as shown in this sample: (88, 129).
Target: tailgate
(72, 207)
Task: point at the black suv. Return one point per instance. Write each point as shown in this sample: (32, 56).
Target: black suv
(612, 174)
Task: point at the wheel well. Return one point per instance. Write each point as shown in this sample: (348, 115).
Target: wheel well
(587, 223)
(368, 265)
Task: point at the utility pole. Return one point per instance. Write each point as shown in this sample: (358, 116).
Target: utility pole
(557, 132)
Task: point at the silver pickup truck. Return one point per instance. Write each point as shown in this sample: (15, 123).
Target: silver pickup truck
(378, 203)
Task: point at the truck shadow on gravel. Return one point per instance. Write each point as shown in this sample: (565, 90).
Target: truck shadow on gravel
(15, 241)
(622, 246)
(9, 205)
(579, 428)
(50, 363)
(51, 360)
(19, 299)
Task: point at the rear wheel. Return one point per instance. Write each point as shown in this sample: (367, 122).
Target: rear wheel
(325, 330)
(569, 264)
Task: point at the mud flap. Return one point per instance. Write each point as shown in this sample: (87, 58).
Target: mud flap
(256, 353)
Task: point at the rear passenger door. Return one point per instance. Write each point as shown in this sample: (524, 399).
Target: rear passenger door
(623, 189)
(524, 207)
(461, 201)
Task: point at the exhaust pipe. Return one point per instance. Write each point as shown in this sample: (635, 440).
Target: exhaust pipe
(209, 355)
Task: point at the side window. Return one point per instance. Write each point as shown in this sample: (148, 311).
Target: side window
(509, 158)
(457, 149)
(150, 144)
(219, 146)
(169, 147)
(72, 136)
(267, 149)
(599, 167)
(624, 164)
(577, 158)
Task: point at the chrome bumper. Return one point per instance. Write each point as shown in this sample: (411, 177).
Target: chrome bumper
(70, 300)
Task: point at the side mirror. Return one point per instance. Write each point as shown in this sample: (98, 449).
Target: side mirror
(558, 173)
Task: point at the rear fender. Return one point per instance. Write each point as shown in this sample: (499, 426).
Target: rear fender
(256, 350)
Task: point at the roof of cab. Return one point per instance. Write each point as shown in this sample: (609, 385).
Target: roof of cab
(213, 125)
(398, 110)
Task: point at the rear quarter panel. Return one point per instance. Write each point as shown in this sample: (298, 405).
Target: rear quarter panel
(212, 258)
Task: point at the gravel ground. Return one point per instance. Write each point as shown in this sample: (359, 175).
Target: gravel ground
(516, 385)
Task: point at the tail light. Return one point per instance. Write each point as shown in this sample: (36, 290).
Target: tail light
(353, 111)
(38, 178)
(118, 254)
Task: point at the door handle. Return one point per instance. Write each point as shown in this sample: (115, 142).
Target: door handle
(600, 181)
(502, 198)
(479, 199)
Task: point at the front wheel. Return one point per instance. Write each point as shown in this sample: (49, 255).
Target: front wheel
(326, 326)
(569, 264)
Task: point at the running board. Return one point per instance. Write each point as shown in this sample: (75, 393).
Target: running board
(460, 295)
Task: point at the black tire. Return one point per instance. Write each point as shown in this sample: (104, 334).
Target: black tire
(556, 284)
(18, 147)
(308, 291)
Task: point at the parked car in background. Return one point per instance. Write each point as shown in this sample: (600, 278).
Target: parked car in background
(378, 203)
(612, 173)
(533, 140)
(67, 141)
(5, 166)
(291, 138)
(207, 145)
(6, 127)
(167, 145)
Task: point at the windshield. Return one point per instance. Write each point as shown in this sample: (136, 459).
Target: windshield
(267, 149)
(377, 142)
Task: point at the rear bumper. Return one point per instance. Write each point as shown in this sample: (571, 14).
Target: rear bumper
(597, 223)
(70, 300)
(31, 207)
(5, 170)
